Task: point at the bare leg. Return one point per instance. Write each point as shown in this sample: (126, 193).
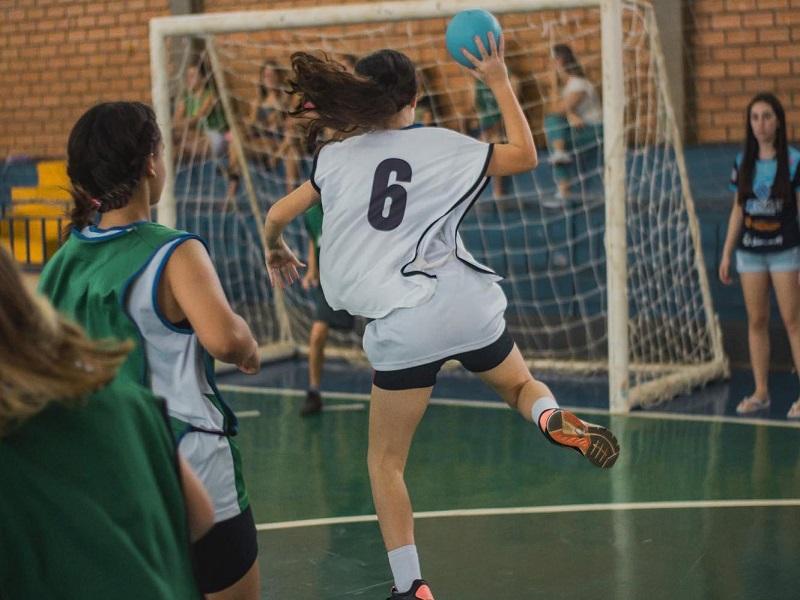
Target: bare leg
(756, 299)
(393, 419)
(787, 290)
(316, 353)
(513, 382)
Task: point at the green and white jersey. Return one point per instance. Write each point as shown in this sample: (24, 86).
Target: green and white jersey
(91, 503)
(107, 280)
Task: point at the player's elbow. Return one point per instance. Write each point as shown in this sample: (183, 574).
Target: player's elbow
(532, 160)
(527, 159)
(230, 342)
(275, 216)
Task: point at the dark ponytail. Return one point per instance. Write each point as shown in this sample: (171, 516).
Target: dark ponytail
(384, 82)
(106, 155)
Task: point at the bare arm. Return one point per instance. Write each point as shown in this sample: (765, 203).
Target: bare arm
(281, 262)
(199, 508)
(191, 287)
(519, 153)
(734, 231)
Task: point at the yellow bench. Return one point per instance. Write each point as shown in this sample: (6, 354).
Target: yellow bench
(30, 229)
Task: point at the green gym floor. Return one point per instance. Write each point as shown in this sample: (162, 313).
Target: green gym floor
(697, 507)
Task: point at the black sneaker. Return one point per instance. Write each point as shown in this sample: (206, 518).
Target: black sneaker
(596, 443)
(313, 404)
(419, 591)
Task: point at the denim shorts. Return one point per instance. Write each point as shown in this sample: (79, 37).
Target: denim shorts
(768, 262)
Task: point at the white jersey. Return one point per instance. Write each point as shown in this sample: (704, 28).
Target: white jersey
(392, 202)
(589, 108)
(177, 370)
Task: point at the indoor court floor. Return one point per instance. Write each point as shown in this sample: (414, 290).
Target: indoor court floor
(697, 507)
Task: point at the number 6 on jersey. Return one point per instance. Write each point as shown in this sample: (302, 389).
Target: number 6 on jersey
(381, 191)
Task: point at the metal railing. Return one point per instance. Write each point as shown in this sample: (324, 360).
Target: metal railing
(41, 235)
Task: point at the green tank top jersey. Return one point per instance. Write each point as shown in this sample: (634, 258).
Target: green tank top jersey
(313, 222)
(91, 504)
(486, 105)
(106, 280)
(215, 119)
(87, 280)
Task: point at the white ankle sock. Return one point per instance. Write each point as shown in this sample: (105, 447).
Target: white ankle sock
(542, 404)
(405, 567)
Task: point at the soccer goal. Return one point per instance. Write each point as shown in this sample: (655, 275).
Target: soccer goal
(601, 254)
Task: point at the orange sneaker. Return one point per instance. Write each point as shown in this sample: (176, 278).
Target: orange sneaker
(594, 442)
(419, 591)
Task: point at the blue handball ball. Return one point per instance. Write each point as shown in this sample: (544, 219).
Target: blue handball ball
(462, 29)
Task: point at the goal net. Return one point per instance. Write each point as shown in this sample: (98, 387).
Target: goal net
(599, 250)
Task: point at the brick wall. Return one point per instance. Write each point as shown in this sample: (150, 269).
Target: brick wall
(57, 58)
(735, 49)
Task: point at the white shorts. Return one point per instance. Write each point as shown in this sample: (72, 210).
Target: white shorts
(464, 314)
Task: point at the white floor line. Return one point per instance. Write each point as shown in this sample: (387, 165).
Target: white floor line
(248, 414)
(343, 407)
(539, 510)
(241, 389)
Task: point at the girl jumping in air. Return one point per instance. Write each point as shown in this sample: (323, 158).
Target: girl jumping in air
(393, 195)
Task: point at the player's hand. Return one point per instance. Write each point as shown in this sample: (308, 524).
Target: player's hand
(725, 270)
(282, 265)
(310, 280)
(490, 66)
(252, 362)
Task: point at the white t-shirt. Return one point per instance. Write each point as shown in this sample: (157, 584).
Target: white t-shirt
(392, 202)
(589, 108)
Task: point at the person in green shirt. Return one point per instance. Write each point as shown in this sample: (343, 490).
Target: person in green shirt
(96, 502)
(121, 276)
(325, 317)
(198, 110)
(198, 107)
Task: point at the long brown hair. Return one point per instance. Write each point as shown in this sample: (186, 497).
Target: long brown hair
(43, 357)
(331, 97)
(781, 186)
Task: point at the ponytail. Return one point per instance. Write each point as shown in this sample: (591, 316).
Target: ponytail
(106, 155)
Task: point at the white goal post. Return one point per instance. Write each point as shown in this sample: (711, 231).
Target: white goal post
(656, 320)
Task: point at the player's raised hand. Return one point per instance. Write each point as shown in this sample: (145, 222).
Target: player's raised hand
(490, 66)
(282, 265)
